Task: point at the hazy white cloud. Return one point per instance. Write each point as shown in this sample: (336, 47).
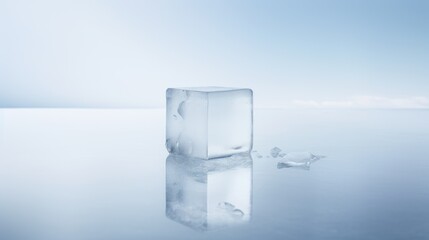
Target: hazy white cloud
(366, 102)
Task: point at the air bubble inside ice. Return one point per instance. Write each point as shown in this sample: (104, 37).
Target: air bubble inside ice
(231, 209)
(238, 213)
(181, 109)
(226, 206)
(301, 160)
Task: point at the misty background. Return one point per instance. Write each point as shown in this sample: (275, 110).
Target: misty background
(364, 54)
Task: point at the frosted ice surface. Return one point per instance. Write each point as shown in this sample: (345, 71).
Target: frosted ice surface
(206, 195)
(209, 122)
(227, 206)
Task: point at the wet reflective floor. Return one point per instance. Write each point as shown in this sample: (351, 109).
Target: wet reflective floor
(105, 174)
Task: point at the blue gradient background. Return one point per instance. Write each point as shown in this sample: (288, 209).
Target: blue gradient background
(126, 53)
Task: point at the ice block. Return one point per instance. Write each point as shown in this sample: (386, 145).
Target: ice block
(209, 122)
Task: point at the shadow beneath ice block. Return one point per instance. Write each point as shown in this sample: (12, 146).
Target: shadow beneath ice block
(209, 194)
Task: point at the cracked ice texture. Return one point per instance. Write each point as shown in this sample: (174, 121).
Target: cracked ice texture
(209, 122)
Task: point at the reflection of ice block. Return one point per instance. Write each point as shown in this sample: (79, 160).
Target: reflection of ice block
(209, 122)
(206, 195)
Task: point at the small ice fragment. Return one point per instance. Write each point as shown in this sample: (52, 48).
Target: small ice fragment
(174, 116)
(282, 154)
(298, 160)
(301, 157)
(305, 166)
(275, 152)
(317, 156)
(231, 209)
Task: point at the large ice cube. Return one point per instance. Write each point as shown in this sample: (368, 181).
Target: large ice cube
(209, 122)
(207, 195)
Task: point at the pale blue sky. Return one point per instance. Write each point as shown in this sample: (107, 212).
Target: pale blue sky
(126, 53)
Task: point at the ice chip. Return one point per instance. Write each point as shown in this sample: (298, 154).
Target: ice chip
(209, 122)
(305, 165)
(301, 160)
(231, 209)
(301, 157)
(275, 152)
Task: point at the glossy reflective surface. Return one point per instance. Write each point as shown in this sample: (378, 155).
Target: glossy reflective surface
(105, 174)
